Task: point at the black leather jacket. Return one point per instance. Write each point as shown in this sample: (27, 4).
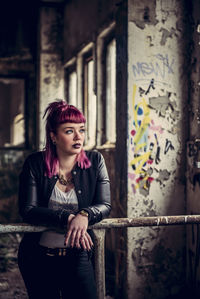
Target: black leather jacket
(92, 187)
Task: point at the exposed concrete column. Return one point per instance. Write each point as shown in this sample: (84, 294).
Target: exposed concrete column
(193, 152)
(51, 75)
(157, 118)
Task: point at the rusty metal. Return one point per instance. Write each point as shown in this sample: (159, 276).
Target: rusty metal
(99, 233)
(110, 223)
(147, 221)
(21, 228)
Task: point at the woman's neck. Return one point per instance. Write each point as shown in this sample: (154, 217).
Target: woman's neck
(67, 162)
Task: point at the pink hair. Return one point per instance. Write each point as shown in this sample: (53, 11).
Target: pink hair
(57, 113)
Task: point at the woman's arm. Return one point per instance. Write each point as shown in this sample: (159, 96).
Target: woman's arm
(96, 212)
(29, 206)
(101, 205)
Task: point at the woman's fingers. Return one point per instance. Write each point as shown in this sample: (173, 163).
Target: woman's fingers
(77, 239)
(83, 244)
(67, 237)
(89, 239)
(86, 242)
(77, 227)
(73, 237)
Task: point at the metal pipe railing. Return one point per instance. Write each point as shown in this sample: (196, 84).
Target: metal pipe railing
(99, 230)
(109, 223)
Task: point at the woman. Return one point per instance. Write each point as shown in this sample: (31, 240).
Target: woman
(67, 188)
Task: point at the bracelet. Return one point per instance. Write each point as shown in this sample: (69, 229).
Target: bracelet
(83, 213)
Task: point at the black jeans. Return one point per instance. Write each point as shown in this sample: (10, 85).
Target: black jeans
(55, 277)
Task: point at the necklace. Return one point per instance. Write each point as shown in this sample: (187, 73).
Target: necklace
(64, 181)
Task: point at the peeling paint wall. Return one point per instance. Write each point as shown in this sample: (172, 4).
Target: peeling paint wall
(157, 98)
(51, 86)
(193, 157)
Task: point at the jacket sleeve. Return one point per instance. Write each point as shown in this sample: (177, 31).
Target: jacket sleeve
(29, 207)
(101, 206)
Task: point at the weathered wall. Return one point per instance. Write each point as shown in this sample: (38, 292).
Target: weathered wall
(51, 77)
(83, 21)
(157, 99)
(193, 156)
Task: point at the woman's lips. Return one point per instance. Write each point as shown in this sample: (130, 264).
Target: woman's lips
(77, 145)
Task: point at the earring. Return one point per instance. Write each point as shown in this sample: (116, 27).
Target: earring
(54, 142)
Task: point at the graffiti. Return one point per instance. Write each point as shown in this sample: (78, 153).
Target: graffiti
(142, 91)
(157, 159)
(142, 154)
(159, 129)
(151, 85)
(160, 68)
(168, 146)
(145, 137)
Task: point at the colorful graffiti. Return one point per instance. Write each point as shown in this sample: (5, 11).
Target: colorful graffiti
(142, 155)
(144, 139)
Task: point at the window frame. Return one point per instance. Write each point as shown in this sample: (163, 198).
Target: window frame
(69, 69)
(103, 40)
(107, 40)
(25, 104)
(88, 56)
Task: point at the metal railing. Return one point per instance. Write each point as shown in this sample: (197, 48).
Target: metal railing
(99, 230)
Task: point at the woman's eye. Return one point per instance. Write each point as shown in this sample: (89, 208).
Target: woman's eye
(68, 132)
(82, 130)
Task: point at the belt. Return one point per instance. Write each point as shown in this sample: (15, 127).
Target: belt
(58, 251)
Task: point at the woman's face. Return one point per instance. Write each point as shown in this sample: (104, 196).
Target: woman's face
(69, 138)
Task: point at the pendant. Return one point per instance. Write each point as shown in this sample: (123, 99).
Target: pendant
(64, 181)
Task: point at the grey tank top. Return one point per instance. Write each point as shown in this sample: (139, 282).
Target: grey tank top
(59, 200)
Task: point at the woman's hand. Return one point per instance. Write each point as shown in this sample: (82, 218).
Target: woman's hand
(77, 231)
(86, 242)
(71, 216)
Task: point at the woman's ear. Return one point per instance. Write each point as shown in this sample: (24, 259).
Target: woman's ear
(52, 137)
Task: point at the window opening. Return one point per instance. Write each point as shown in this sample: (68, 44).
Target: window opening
(111, 92)
(72, 91)
(12, 122)
(89, 100)
(71, 84)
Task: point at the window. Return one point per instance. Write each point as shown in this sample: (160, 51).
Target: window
(89, 99)
(72, 96)
(106, 88)
(79, 82)
(12, 124)
(71, 85)
(91, 86)
(111, 92)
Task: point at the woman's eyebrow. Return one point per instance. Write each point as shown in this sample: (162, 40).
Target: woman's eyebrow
(73, 127)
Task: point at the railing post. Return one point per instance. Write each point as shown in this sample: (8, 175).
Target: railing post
(99, 235)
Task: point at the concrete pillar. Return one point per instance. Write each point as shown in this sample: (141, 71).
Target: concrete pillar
(157, 132)
(193, 154)
(51, 78)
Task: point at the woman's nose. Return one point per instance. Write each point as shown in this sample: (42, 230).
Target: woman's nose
(77, 136)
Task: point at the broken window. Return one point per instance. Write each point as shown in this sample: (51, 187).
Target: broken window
(12, 123)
